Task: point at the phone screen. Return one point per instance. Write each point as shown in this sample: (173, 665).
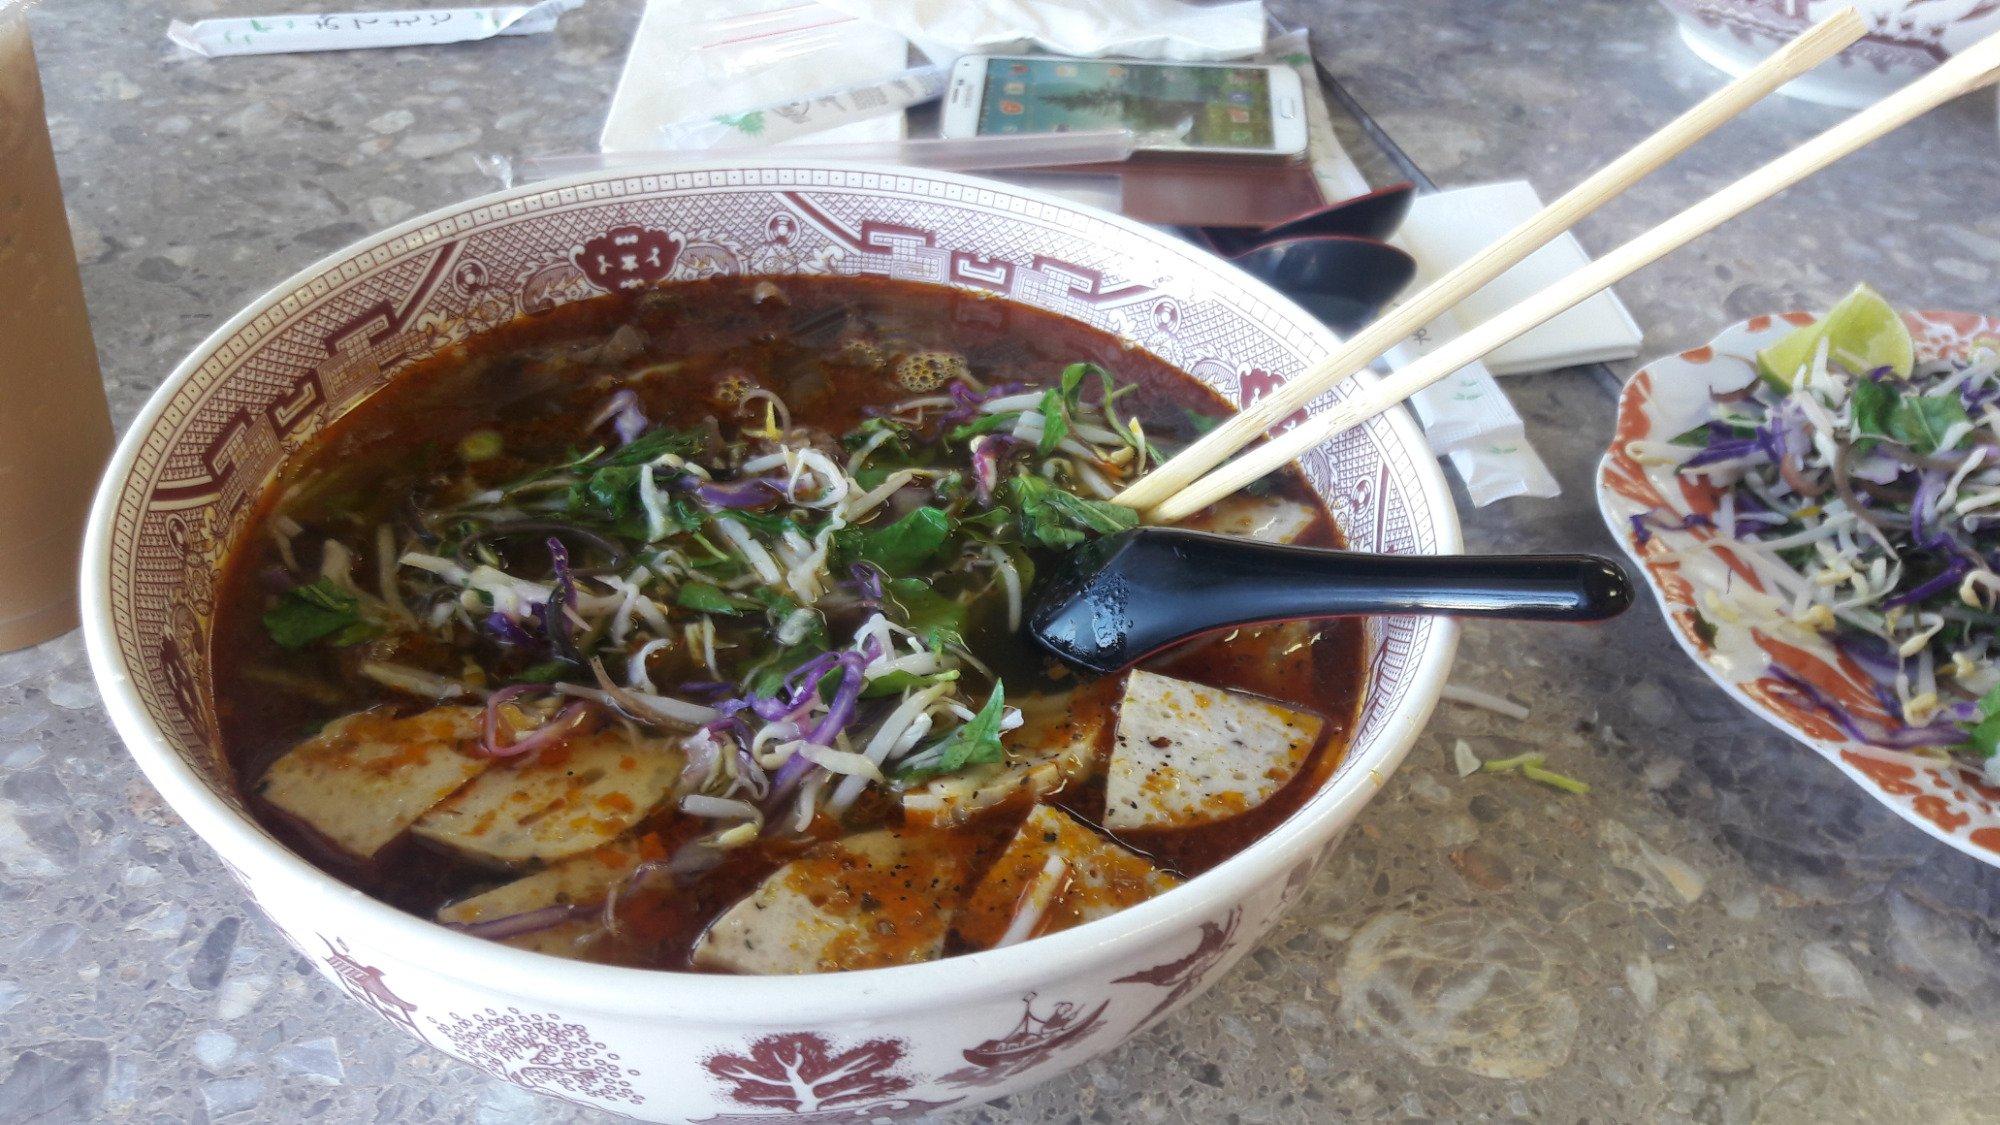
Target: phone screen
(1230, 106)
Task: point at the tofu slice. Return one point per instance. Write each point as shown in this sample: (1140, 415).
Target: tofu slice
(1186, 754)
(1268, 518)
(581, 880)
(869, 900)
(367, 777)
(1061, 741)
(1097, 877)
(557, 802)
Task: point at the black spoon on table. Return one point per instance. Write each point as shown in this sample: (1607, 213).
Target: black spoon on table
(1114, 601)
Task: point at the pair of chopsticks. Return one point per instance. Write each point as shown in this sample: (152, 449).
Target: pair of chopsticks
(1178, 487)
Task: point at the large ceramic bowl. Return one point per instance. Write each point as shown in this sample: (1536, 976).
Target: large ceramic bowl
(1695, 576)
(668, 1046)
(1906, 39)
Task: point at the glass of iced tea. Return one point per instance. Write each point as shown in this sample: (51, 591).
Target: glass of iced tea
(55, 430)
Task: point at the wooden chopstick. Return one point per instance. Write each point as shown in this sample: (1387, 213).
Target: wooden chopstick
(1972, 68)
(1817, 44)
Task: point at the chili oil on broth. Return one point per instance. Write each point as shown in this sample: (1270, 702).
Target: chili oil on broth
(684, 349)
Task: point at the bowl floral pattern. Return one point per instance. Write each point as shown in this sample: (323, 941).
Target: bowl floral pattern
(1691, 569)
(665, 1046)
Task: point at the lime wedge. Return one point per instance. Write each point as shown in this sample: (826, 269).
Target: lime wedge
(1863, 332)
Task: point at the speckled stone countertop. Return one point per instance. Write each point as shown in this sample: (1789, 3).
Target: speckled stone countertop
(1723, 930)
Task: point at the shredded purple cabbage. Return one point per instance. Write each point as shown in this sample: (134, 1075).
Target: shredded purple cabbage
(1902, 738)
(1645, 523)
(868, 581)
(754, 492)
(519, 925)
(507, 632)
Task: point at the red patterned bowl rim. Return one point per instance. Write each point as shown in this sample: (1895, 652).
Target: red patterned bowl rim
(1953, 805)
(695, 998)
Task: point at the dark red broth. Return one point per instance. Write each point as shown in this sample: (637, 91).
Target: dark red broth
(518, 380)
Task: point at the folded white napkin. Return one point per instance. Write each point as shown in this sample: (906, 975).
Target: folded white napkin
(1447, 228)
(1467, 417)
(1140, 29)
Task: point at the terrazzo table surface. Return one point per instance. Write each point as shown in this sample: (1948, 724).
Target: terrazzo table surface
(1722, 930)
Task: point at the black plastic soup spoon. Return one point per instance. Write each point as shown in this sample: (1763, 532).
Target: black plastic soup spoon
(1114, 601)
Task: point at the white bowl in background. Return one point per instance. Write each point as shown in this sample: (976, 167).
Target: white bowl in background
(1906, 39)
(676, 1046)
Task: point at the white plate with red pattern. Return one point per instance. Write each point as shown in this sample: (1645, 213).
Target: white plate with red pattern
(1693, 572)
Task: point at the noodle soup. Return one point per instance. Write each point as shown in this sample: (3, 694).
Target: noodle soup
(678, 628)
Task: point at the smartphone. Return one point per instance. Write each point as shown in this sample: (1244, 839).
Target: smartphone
(1226, 108)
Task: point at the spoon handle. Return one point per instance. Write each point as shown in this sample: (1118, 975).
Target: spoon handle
(1237, 581)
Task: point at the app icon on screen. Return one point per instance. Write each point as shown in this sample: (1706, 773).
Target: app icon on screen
(1065, 70)
(1010, 107)
(1018, 68)
(1239, 115)
(1114, 71)
(1015, 88)
(1240, 97)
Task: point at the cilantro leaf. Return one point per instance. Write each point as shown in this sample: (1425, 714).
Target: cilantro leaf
(1073, 377)
(927, 613)
(1873, 404)
(894, 683)
(654, 444)
(768, 677)
(1199, 422)
(1051, 517)
(1921, 422)
(984, 424)
(317, 611)
(860, 435)
(1984, 738)
(610, 492)
(1701, 435)
(1055, 422)
(704, 598)
(770, 523)
(975, 743)
(547, 672)
(906, 544)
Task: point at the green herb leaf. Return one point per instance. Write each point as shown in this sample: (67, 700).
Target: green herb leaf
(317, 611)
(984, 424)
(975, 743)
(654, 444)
(899, 681)
(906, 544)
(1989, 704)
(766, 678)
(1100, 516)
(613, 490)
(1873, 404)
(1920, 422)
(1055, 421)
(859, 435)
(704, 598)
(1984, 738)
(1699, 436)
(1051, 517)
(770, 523)
(547, 672)
(1201, 423)
(1073, 377)
(927, 613)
